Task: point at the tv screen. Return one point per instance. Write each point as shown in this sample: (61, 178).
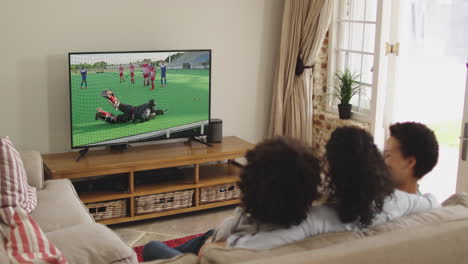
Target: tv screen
(124, 97)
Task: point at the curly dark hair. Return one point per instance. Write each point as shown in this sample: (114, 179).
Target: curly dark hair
(280, 181)
(358, 179)
(418, 141)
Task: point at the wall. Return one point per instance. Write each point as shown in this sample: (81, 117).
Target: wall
(325, 122)
(36, 36)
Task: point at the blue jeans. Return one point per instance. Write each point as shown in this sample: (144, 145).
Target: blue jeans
(157, 250)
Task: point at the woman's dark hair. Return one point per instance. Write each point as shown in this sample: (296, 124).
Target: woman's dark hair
(418, 141)
(280, 181)
(358, 178)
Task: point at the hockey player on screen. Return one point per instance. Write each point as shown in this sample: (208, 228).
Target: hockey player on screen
(132, 73)
(145, 72)
(152, 72)
(84, 75)
(121, 73)
(163, 66)
(140, 113)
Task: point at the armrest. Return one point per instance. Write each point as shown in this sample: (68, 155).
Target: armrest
(32, 161)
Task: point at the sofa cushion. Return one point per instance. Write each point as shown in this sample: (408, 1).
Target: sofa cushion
(14, 188)
(25, 242)
(59, 206)
(181, 259)
(92, 243)
(214, 254)
(457, 199)
(3, 253)
(33, 165)
(438, 243)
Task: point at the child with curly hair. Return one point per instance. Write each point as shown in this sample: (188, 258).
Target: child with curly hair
(278, 185)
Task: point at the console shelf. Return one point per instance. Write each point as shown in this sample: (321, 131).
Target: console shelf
(202, 166)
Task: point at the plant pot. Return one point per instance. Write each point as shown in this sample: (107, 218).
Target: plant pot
(344, 111)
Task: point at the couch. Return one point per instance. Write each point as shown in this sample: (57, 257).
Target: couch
(67, 223)
(436, 236)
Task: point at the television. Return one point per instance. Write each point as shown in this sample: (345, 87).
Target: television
(118, 98)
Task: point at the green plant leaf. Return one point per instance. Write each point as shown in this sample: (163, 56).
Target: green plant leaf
(345, 87)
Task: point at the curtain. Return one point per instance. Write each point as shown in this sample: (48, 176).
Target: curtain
(305, 24)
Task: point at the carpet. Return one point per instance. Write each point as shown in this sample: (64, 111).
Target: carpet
(172, 243)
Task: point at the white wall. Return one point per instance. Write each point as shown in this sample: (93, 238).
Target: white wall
(35, 37)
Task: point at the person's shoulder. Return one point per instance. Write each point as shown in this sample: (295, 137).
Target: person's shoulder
(432, 198)
(415, 201)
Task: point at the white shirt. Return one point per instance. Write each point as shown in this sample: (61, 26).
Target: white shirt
(323, 219)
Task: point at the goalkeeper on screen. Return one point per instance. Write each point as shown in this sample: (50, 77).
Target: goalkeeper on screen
(142, 113)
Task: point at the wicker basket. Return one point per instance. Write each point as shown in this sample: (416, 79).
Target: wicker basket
(222, 192)
(163, 202)
(107, 210)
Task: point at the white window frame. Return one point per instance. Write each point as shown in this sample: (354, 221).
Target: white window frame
(333, 40)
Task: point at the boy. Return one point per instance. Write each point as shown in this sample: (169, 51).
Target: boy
(84, 74)
(410, 152)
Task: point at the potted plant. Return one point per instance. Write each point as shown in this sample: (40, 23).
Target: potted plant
(346, 86)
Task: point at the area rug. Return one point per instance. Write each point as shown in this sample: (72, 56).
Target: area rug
(172, 243)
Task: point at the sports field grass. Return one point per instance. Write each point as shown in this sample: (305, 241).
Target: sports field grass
(186, 99)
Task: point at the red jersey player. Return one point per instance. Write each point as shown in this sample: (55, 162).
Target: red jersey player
(145, 71)
(121, 72)
(132, 73)
(152, 72)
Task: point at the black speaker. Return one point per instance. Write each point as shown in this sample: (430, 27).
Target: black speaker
(215, 131)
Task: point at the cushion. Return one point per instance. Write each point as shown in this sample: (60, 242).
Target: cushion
(59, 206)
(215, 254)
(25, 241)
(457, 199)
(438, 243)
(92, 243)
(3, 253)
(182, 259)
(14, 188)
(34, 167)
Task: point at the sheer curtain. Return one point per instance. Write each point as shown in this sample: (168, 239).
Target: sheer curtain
(305, 24)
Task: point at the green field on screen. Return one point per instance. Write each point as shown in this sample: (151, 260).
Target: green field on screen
(186, 99)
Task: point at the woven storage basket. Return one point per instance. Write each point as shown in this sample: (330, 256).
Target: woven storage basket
(222, 192)
(107, 210)
(163, 202)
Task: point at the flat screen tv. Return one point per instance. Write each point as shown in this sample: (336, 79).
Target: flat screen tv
(123, 97)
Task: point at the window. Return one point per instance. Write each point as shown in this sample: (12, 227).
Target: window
(352, 46)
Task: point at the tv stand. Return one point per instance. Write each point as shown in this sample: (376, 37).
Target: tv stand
(199, 140)
(203, 169)
(82, 152)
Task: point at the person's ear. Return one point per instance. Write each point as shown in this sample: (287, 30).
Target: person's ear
(411, 162)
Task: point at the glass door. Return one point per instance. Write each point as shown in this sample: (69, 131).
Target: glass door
(426, 78)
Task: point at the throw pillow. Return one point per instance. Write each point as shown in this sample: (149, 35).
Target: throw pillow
(24, 240)
(14, 187)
